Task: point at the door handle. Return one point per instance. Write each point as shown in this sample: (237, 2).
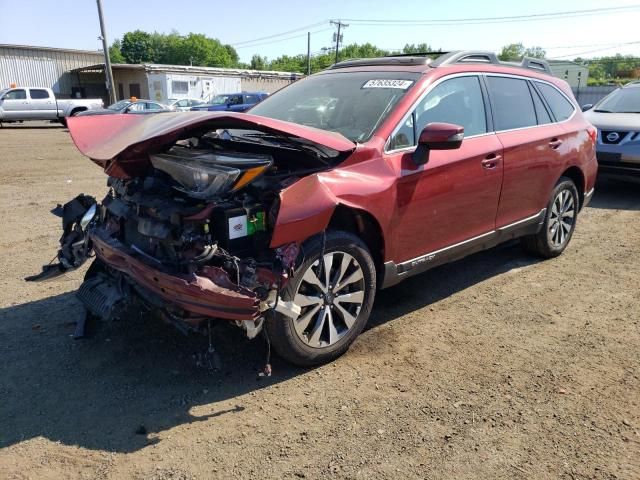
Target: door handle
(491, 161)
(555, 143)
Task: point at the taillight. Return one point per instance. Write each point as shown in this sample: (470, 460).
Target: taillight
(593, 133)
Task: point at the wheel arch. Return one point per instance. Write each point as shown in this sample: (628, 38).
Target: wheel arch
(575, 174)
(362, 224)
(77, 110)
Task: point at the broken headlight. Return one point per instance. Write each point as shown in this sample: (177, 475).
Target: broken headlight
(207, 175)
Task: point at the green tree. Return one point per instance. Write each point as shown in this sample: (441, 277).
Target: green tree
(258, 62)
(136, 47)
(173, 48)
(115, 54)
(419, 48)
(233, 54)
(515, 51)
(535, 52)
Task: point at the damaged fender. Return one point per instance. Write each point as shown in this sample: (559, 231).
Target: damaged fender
(307, 206)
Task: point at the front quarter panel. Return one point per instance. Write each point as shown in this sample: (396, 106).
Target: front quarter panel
(365, 183)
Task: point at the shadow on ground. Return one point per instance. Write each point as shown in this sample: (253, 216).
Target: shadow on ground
(97, 392)
(616, 195)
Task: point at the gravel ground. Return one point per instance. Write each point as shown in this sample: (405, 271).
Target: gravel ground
(499, 366)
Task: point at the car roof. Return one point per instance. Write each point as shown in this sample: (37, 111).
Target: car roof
(465, 60)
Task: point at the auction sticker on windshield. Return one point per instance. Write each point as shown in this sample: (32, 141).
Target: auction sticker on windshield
(382, 83)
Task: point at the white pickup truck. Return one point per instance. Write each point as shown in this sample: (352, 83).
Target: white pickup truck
(27, 103)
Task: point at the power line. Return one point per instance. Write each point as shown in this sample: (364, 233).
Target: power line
(503, 19)
(597, 50)
(281, 39)
(444, 21)
(275, 35)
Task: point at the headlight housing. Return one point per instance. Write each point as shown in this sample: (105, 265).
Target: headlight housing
(207, 175)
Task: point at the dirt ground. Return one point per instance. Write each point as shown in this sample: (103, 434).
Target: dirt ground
(497, 367)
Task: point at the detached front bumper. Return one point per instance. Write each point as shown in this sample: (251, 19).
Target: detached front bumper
(210, 293)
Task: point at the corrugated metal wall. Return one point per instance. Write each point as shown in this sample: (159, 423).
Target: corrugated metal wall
(592, 95)
(268, 85)
(35, 67)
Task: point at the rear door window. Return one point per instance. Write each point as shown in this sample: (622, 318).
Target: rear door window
(38, 94)
(511, 103)
(561, 107)
(542, 113)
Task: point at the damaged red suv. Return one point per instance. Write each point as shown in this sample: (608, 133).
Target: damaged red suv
(287, 219)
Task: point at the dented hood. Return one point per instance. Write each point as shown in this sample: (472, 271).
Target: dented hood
(109, 139)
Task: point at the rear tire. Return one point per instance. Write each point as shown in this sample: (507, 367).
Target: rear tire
(559, 224)
(335, 307)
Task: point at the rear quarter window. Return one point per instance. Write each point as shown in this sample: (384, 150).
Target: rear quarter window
(561, 107)
(511, 103)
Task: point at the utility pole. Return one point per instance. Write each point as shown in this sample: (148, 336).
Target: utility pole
(308, 53)
(338, 36)
(107, 60)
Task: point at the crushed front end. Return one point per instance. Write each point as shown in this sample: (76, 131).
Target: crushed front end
(185, 230)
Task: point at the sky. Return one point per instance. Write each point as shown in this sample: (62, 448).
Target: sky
(74, 24)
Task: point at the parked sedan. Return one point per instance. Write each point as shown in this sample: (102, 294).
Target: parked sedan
(129, 106)
(233, 102)
(617, 118)
(184, 104)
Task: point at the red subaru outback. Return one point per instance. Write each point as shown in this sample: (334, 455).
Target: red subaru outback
(287, 219)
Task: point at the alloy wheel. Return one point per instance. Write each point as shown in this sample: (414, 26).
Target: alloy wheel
(562, 218)
(331, 294)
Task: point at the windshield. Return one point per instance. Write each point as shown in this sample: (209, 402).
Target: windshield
(623, 100)
(219, 100)
(3, 91)
(350, 103)
(119, 105)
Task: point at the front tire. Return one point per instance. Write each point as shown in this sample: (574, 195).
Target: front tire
(559, 224)
(335, 287)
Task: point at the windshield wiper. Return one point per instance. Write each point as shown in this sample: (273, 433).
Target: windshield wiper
(630, 111)
(602, 111)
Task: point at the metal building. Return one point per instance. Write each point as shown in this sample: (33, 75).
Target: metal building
(45, 67)
(160, 82)
(574, 73)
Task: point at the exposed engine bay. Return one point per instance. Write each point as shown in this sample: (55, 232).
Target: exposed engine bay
(188, 236)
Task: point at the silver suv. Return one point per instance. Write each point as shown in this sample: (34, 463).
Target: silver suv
(617, 118)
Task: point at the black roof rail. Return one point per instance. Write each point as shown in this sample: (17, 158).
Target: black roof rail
(536, 64)
(400, 60)
(417, 54)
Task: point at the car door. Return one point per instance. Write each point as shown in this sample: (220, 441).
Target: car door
(235, 103)
(531, 142)
(250, 100)
(43, 105)
(15, 105)
(183, 104)
(454, 197)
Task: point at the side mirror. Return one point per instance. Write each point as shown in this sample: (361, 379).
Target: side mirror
(437, 136)
(587, 106)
